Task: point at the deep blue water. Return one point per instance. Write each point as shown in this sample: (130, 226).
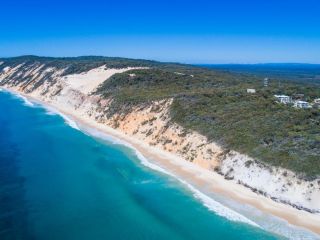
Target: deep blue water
(59, 183)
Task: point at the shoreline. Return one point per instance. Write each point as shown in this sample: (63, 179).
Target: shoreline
(203, 180)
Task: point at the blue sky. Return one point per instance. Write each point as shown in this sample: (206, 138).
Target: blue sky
(195, 31)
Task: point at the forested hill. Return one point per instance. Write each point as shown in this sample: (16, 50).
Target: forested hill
(76, 64)
(214, 103)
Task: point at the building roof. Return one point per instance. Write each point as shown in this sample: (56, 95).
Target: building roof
(281, 96)
(302, 102)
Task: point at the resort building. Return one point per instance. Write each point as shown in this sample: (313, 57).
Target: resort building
(283, 99)
(301, 104)
(316, 103)
(251, 90)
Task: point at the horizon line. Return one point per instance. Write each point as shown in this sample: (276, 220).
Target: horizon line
(164, 61)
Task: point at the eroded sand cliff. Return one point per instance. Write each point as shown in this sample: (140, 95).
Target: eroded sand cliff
(151, 124)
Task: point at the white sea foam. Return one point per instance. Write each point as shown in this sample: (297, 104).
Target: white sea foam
(218, 208)
(52, 111)
(211, 204)
(25, 100)
(49, 111)
(283, 228)
(146, 181)
(69, 121)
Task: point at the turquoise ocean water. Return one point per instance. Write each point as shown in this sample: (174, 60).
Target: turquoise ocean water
(58, 183)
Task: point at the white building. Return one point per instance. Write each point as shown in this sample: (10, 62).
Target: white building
(301, 104)
(316, 103)
(283, 99)
(251, 90)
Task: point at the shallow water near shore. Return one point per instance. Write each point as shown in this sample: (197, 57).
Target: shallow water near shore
(59, 183)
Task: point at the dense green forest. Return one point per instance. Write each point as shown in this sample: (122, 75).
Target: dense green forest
(216, 104)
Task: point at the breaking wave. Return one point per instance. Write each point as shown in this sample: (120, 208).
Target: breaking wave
(25, 100)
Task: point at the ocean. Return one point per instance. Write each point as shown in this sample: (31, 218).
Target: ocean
(60, 183)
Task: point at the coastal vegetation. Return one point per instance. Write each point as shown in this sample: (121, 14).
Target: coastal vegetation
(216, 104)
(73, 65)
(212, 102)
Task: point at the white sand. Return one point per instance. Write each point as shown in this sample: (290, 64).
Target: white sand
(86, 82)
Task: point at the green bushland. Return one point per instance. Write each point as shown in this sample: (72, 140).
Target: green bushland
(216, 104)
(76, 64)
(213, 102)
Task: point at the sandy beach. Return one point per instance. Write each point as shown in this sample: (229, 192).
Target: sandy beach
(206, 181)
